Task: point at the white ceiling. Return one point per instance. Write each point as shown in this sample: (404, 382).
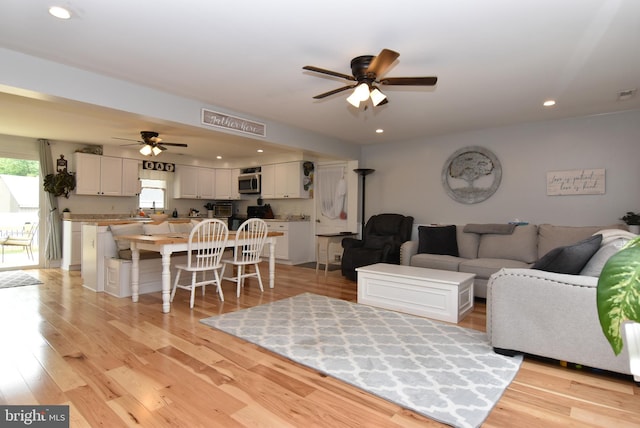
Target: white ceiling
(496, 60)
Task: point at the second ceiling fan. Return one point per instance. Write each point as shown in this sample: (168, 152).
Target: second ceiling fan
(367, 71)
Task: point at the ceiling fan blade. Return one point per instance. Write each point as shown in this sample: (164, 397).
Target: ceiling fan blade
(409, 81)
(382, 62)
(329, 72)
(126, 139)
(335, 91)
(161, 146)
(173, 144)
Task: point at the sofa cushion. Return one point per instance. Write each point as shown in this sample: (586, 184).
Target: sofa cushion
(125, 229)
(436, 261)
(485, 267)
(569, 259)
(180, 227)
(438, 240)
(550, 236)
(520, 245)
(467, 243)
(156, 229)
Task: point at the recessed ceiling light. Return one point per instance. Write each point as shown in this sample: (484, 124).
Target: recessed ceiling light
(549, 103)
(379, 131)
(218, 157)
(260, 150)
(59, 12)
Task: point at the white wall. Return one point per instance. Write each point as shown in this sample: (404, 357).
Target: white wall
(407, 179)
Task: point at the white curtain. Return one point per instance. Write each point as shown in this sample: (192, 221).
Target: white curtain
(53, 247)
(332, 191)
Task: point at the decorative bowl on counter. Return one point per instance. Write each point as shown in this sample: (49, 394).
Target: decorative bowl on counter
(159, 217)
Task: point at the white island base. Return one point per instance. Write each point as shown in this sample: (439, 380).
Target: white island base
(438, 294)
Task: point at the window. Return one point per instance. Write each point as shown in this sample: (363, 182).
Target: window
(153, 192)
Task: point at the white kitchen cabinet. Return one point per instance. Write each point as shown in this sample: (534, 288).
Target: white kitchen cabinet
(97, 243)
(105, 175)
(130, 177)
(296, 244)
(223, 184)
(235, 192)
(192, 182)
(268, 182)
(71, 245)
(284, 181)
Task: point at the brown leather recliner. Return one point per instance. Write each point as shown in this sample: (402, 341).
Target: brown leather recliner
(383, 236)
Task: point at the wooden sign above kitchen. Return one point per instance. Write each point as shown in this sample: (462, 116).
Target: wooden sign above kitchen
(158, 166)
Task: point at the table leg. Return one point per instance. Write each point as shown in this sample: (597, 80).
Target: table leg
(326, 260)
(272, 263)
(166, 281)
(135, 272)
(317, 254)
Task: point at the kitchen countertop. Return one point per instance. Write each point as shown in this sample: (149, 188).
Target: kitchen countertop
(285, 219)
(107, 219)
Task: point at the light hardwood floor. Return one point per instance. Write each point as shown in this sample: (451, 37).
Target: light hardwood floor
(120, 364)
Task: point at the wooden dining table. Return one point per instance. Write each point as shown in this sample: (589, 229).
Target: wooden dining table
(167, 244)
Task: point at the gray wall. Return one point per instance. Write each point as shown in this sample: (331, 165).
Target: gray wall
(408, 175)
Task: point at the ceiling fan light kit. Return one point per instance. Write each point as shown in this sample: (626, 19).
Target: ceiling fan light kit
(366, 70)
(152, 144)
(145, 150)
(377, 96)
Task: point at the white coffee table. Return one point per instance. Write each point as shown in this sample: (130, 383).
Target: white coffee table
(431, 293)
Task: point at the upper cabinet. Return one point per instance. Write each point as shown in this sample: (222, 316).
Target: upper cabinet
(235, 191)
(223, 184)
(226, 184)
(105, 176)
(130, 177)
(286, 180)
(268, 182)
(192, 182)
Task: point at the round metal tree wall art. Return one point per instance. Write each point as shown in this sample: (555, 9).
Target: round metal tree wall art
(471, 175)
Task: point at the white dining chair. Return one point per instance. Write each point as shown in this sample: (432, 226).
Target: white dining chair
(207, 242)
(250, 239)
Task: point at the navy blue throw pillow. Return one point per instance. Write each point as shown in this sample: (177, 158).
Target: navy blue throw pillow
(438, 240)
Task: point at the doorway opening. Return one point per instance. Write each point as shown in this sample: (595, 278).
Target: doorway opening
(19, 213)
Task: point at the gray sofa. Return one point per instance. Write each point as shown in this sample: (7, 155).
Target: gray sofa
(553, 315)
(486, 253)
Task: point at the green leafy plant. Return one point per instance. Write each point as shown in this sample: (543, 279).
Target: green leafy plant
(60, 184)
(618, 293)
(631, 218)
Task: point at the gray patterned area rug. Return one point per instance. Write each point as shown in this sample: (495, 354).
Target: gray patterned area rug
(17, 278)
(445, 372)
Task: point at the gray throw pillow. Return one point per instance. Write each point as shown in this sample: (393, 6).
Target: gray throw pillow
(569, 259)
(437, 240)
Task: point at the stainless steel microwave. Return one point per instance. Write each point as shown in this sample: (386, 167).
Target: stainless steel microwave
(249, 183)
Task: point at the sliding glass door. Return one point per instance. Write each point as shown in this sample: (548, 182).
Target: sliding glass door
(19, 213)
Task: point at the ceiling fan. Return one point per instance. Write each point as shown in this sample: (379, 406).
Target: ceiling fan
(367, 71)
(151, 143)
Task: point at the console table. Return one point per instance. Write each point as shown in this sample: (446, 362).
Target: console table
(324, 240)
